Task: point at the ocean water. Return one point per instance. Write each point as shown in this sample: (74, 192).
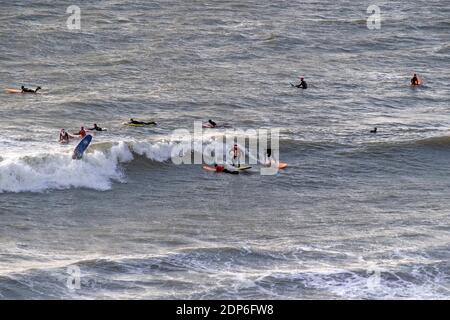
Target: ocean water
(354, 216)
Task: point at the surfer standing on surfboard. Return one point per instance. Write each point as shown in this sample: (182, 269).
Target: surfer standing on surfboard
(30, 90)
(236, 155)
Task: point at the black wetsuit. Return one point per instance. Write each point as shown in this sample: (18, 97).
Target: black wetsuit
(30, 90)
(232, 172)
(212, 123)
(414, 81)
(141, 122)
(97, 128)
(302, 85)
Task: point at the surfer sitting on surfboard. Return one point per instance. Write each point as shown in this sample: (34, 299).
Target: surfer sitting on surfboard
(140, 122)
(97, 128)
(302, 84)
(30, 90)
(415, 80)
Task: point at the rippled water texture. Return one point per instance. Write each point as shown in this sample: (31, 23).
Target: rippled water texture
(355, 215)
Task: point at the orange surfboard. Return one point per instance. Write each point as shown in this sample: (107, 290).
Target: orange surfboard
(282, 165)
(208, 168)
(13, 90)
(19, 91)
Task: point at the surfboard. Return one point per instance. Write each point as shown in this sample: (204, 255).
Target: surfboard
(13, 90)
(212, 169)
(103, 130)
(19, 91)
(282, 165)
(81, 147)
(242, 168)
(207, 126)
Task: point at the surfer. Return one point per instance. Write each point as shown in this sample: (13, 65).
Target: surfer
(26, 90)
(302, 84)
(236, 155)
(212, 123)
(415, 80)
(374, 130)
(223, 169)
(268, 156)
(64, 136)
(132, 121)
(81, 133)
(96, 128)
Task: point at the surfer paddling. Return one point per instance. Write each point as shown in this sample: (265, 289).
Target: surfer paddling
(223, 169)
(210, 124)
(96, 128)
(132, 121)
(26, 90)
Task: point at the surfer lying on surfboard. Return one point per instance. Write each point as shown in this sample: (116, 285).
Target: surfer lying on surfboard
(132, 121)
(26, 90)
(96, 128)
(210, 124)
(223, 169)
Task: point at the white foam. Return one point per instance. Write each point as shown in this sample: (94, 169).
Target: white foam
(99, 168)
(160, 151)
(96, 171)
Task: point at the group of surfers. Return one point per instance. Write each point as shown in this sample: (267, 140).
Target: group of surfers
(415, 81)
(236, 154)
(235, 151)
(64, 136)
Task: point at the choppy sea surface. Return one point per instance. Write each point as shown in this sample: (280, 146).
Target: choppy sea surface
(355, 215)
